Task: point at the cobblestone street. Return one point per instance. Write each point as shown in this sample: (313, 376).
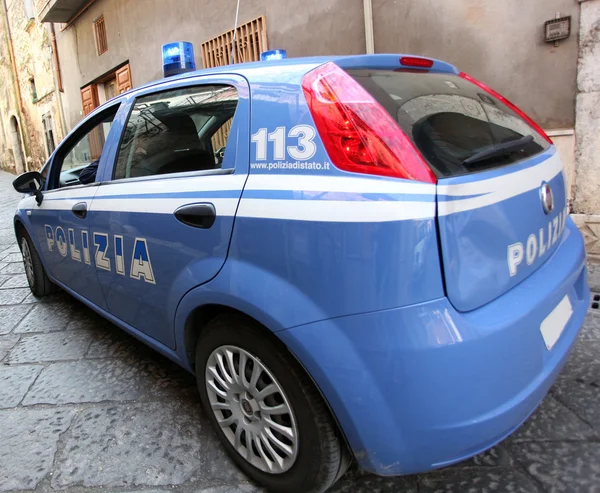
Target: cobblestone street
(87, 408)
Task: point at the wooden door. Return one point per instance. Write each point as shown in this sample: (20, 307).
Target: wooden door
(123, 76)
(89, 98)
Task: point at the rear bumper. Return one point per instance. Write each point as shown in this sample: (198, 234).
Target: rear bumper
(424, 386)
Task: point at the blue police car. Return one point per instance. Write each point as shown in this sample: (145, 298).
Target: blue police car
(364, 257)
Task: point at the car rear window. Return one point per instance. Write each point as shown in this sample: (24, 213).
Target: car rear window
(450, 120)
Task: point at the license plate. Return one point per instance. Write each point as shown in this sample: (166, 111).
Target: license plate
(553, 325)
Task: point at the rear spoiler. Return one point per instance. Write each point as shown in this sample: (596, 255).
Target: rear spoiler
(389, 61)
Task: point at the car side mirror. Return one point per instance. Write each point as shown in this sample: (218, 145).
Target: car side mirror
(31, 183)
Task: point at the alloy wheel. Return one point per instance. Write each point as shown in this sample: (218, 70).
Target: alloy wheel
(28, 262)
(252, 409)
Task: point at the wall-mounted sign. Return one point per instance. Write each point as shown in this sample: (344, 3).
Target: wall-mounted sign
(557, 29)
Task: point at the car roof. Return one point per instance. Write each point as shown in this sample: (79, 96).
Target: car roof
(248, 69)
(255, 71)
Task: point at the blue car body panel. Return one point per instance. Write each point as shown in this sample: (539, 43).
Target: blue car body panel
(423, 386)
(415, 308)
(481, 214)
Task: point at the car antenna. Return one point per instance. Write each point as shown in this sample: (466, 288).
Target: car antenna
(237, 11)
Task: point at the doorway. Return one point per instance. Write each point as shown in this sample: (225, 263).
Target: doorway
(106, 87)
(17, 145)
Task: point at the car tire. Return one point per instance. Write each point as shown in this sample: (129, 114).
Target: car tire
(311, 455)
(38, 281)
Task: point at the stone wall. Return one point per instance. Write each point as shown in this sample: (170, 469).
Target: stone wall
(587, 155)
(9, 106)
(34, 68)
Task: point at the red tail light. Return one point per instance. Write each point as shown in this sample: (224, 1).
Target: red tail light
(519, 112)
(358, 134)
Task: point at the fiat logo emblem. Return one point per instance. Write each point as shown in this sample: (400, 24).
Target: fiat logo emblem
(547, 198)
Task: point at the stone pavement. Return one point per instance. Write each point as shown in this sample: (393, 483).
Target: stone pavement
(86, 408)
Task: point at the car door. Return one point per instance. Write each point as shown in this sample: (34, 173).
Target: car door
(163, 218)
(60, 222)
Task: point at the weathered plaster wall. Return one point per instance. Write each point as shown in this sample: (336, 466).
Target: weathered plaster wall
(33, 56)
(8, 100)
(499, 42)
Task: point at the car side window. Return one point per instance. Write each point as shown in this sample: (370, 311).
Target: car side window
(176, 131)
(78, 162)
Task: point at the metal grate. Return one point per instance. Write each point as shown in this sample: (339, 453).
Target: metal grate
(250, 42)
(595, 301)
(100, 33)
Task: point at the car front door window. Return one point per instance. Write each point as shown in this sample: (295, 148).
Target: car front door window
(60, 222)
(79, 164)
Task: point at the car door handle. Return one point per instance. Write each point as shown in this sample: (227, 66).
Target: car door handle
(197, 215)
(80, 210)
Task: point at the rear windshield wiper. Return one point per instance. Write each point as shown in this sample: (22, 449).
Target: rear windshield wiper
(499, 149)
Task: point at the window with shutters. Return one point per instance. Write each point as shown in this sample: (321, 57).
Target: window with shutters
(33, 90)
(250, 41)
(100, 35)
(105, 88)
(48, 132)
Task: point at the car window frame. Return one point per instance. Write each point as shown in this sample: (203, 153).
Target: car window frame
(161, 91)
(242, 120)
(74, 137)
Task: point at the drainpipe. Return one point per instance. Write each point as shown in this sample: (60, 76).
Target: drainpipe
(56, 59)
(369, 37)
(58, 81)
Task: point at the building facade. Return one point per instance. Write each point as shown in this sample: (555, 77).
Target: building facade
(31, 123)
(497, 42)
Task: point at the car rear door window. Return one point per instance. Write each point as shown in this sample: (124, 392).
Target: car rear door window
(177, 131)
(451, 120)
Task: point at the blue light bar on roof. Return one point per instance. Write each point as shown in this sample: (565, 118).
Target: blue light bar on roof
(178, 58)
(273, 55)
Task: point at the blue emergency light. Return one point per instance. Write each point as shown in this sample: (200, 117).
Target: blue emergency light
(273, 55)
(178, 58)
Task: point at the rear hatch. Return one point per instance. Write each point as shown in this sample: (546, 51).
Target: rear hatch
(501, 197)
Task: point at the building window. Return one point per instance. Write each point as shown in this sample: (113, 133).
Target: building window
(100, 34)
(48, 133)
(28, 4)
(33, 90)
(250, 42)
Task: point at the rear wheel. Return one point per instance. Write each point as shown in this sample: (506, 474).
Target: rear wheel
(37, 279)
(266, 411)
